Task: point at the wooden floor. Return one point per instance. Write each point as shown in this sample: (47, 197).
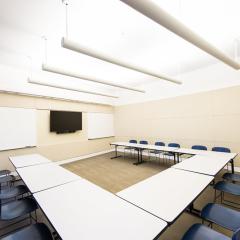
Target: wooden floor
(117, 174)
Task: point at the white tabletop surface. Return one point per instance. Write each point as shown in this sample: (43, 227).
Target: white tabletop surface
(28, 160)
(206, 153)
(209, 165)
(44, 176)
(167, 193)
(82, 210)
(145, 146)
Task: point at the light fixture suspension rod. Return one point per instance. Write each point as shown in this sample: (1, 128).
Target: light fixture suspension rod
(45, 47)
(65, 72)
(157, 14)
(70, 88)
(65, 2)
(66, 43)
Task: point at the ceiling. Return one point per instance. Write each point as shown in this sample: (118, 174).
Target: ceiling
(114, 28)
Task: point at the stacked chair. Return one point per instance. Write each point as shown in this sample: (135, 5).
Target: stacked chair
(17, 205)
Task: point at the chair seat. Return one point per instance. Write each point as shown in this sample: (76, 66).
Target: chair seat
(13, 192)
(7, 178)
(228, 187)
(223, 216)
(232, 177)
(4, 172)
(17, 209)
(38, 231)
(201, 232)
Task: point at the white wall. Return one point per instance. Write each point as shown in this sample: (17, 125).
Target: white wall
(214, 76)
(13, 79)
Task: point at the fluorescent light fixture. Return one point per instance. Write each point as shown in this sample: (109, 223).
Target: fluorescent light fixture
(157, 14)
(66, 43)
(70, 88)
(69, 73)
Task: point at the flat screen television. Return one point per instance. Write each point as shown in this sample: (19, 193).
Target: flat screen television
(65, 122)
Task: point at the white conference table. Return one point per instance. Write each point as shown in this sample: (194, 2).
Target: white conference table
(168, 193)
(140, 148)
(82, 210)
(204, 164)
(176, 151)
(28, 160)
(41, 177)
(219, 155)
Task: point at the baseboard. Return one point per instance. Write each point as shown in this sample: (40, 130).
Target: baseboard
(82, 157)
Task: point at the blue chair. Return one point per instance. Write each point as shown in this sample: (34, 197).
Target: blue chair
(157, 152)
(130, 149)
(234, 177)
(4, 172)
(17, 209)
(145, 143)
(226, 187)
(199, 147)
(221, 149)
(222, 216)
(13, 192)
(201, 232)
(6, 180)
(169, 154)
(38, 231)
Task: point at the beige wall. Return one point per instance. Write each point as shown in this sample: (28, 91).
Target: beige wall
(209, 118)
(52, 145)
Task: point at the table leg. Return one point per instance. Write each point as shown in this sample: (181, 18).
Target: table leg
(192, 210)
(174, 155)
(140, 158)
(232, 165)
(116, 156)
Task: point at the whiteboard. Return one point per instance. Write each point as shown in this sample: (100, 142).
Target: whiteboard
(17, 128)
(100, 125)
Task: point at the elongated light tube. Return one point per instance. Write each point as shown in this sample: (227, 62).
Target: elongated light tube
(70, 88)
(157, 14)
(66, 43)
(69, 73)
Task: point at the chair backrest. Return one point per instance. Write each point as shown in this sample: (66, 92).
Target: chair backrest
(221, 149)
(159, 143)
(236, 235)
(143, 142)
(132, 141)
(176, 145)
(199, 147)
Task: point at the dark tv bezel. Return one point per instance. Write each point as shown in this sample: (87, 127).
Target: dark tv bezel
(52, 129)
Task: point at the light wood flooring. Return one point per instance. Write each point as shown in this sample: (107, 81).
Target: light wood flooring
(117, 174)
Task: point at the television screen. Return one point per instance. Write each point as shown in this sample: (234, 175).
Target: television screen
(63, 121)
